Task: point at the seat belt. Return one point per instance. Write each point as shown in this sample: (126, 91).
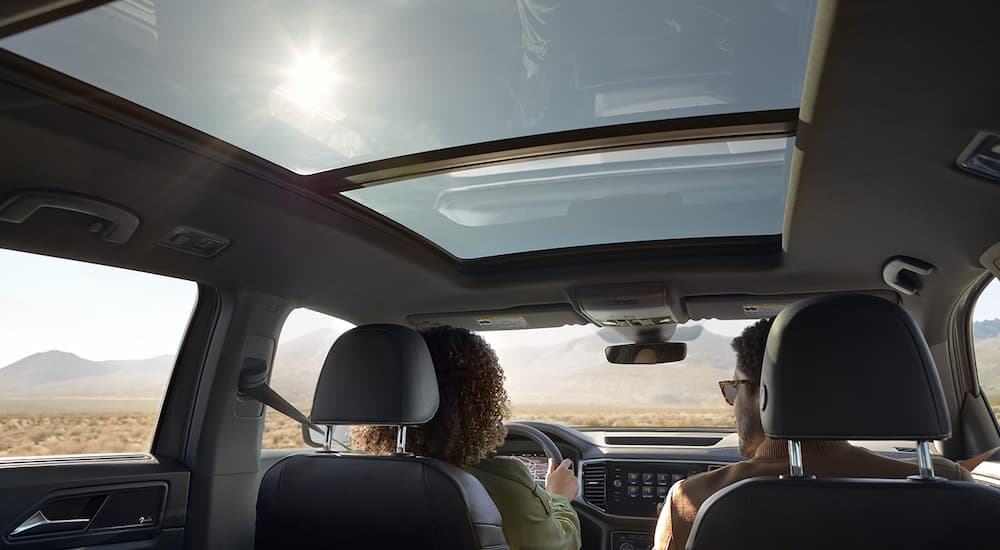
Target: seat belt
(253, 384)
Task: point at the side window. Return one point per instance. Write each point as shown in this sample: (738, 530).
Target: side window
(986, 341)
(87, 354)
(305, 340)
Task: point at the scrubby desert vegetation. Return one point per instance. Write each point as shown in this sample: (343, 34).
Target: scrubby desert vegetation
(82, 433)
(100, 413)
(281, 432)
(75, 433)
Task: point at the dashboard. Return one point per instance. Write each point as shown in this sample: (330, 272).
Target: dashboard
(625, 474)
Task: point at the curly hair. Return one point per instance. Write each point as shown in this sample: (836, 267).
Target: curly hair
(750, 346)
(469, 423)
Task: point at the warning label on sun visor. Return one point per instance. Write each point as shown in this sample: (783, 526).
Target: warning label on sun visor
(502, 322)
(761, 311)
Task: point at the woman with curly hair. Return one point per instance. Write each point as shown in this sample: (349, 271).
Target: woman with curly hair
(467, 430)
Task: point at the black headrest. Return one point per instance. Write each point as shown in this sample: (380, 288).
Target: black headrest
(850, 367)
(377, 374)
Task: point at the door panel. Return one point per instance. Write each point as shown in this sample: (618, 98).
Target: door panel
(102, 502)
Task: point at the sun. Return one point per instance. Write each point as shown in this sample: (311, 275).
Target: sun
(310, 82)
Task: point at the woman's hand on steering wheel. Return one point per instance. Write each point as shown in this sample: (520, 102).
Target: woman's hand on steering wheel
(560, 479)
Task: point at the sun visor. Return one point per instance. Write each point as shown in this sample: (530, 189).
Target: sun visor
(538, 316)
(747, 306)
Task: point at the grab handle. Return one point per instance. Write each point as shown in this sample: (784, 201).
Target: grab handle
(118, 227)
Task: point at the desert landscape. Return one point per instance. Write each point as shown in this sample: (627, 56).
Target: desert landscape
(55, 402)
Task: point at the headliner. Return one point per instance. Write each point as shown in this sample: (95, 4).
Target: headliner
(873, 177)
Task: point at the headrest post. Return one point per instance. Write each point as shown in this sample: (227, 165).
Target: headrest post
(401, 439)
(924, 460)
(328, 440)
(795, 458)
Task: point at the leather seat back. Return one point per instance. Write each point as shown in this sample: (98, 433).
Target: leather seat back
(848, 367)
(375, 375)
(352, 501)
(786, 514)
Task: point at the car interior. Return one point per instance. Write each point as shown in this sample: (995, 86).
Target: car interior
(576, 182)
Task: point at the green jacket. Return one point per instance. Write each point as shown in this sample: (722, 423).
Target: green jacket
(532, 518)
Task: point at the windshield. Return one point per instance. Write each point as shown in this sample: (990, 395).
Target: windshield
(560, 375)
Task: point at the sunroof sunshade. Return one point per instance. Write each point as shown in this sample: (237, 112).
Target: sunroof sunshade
(314, 85)
(722, 189)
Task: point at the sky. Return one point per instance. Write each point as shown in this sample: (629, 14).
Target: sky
(102, 313)
(988, 306)
(96, 312)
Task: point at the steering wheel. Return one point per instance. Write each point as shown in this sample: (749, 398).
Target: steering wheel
(536, 435)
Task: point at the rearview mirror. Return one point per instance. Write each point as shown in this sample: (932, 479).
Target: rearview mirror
(646, 354)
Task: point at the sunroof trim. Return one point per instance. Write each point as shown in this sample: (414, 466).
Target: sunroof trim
(766, 249)
(639, 135)
(22, 16)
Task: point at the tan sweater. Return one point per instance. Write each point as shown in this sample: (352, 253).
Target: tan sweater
(819, 458)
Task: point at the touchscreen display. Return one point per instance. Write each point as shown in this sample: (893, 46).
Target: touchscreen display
(635, 488)
(538, 465)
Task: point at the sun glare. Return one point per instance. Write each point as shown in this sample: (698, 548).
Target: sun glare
(310, 83)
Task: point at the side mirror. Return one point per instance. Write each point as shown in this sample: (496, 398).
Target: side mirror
(646, 354)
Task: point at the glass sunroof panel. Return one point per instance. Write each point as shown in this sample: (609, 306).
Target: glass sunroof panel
(319, 84)
(724, 189)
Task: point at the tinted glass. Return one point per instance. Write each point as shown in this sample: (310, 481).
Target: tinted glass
(315, 84)
(306, 338)
(87, 354)
(986, 340)
(725, 189)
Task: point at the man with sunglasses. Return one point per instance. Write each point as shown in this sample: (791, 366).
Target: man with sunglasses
(769, 457)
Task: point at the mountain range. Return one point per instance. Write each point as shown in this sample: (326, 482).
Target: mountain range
(571, 372)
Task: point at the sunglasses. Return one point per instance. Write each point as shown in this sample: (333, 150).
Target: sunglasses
(730, 388)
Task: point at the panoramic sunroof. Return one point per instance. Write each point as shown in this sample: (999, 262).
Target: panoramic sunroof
(721, 189)
(314, 85)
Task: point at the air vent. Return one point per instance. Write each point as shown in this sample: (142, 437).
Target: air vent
(655, 440)
(595, 484)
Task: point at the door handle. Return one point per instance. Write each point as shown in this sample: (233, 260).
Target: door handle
(38, 524)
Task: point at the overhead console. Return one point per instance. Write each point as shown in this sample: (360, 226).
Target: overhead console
(640, 312)
(636, 305)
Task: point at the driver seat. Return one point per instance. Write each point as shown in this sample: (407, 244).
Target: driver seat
(375, 375)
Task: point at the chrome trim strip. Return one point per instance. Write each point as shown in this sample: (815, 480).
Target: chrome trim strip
(62, 460)
(38, 519)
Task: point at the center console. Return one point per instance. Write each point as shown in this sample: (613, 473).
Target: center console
(633, 488)
(621, 540)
